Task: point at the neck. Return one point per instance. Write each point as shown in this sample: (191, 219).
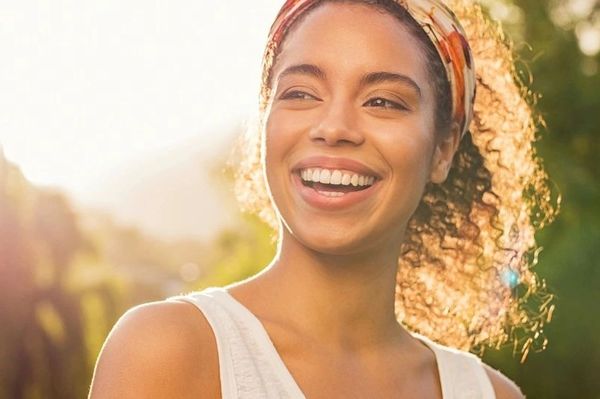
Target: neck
(347, 301)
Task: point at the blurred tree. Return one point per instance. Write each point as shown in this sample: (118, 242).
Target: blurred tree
(38, 238)
(65, 279)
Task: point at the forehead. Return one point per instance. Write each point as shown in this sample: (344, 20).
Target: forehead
(349, 37)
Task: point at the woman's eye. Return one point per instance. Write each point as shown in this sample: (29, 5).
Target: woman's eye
(386, 104)
(296, 95)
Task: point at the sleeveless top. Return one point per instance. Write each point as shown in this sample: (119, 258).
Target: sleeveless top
(251, 368)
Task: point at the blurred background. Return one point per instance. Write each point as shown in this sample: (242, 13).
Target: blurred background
(116, 121)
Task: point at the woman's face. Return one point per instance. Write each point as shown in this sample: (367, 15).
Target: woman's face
(352, 109)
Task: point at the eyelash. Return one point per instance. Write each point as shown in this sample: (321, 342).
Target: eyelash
(291, 95)
(394, 105)
(300, 95)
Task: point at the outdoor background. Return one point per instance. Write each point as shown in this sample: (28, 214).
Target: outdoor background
(116, 119)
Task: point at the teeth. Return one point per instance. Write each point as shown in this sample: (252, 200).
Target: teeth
(315, 176)
(331, 193)
(325, 176)
(346, 179)
(335, 176)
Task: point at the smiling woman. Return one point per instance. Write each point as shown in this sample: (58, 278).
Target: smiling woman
(402, 204)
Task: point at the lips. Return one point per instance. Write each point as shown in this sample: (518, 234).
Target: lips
(325, 162)
(331, 196)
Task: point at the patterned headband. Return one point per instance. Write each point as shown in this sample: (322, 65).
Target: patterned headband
(443, 29)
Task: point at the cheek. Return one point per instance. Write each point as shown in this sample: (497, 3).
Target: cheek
(409, 158)
(270, 153)
(278, 141)
(284, 130)
(408, 147)
(275, 141)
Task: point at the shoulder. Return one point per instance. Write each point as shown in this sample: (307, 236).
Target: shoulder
(503, 386)
(158, 349)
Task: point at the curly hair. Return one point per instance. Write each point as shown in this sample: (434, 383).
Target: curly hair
(465, 275)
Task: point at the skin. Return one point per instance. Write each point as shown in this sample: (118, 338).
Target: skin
(332, 271)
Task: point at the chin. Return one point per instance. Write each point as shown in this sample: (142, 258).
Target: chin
(332, 240)
(333, 247)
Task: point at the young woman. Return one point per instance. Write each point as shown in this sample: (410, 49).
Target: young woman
(404, 229)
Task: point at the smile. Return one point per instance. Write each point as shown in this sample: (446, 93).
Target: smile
(313, 188)
(336, 177)
(335, 182)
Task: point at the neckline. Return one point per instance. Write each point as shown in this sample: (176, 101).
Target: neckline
(277, 363)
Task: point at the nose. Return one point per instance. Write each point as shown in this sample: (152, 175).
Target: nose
(336, 126)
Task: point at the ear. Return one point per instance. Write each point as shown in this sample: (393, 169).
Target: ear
(443, 153)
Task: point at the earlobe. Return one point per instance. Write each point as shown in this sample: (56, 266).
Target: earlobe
(441, 167)
(444, 153)
(439, 171)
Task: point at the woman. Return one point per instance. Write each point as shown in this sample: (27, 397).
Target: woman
(365, 104)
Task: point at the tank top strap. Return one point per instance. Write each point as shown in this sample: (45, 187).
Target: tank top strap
(249, 364)
(462, 375)
(220, 326)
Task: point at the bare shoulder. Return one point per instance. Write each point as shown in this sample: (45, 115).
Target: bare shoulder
(504, 387)
(159, 349)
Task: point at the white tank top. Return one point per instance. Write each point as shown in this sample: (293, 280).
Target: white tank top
(251, 368)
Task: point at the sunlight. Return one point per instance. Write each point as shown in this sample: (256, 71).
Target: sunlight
(91, 87)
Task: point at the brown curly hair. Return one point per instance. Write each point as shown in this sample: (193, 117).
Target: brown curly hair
(464, 277)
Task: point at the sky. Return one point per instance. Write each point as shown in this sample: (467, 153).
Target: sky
(90, 87)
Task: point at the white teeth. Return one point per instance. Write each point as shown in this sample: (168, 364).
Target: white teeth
(331, 193)
(315, 176)
(335, 176)
(325, 176)
(346, 179)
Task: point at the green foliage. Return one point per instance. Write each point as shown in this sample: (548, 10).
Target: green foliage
(42, 332)
(240, 253)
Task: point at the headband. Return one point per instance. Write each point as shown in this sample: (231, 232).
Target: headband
(443, 29)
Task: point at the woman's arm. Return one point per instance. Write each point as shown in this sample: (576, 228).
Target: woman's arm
(158, 350)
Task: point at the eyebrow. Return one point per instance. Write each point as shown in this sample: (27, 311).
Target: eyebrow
(381, 77)
(303, 69)
(367, 80)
